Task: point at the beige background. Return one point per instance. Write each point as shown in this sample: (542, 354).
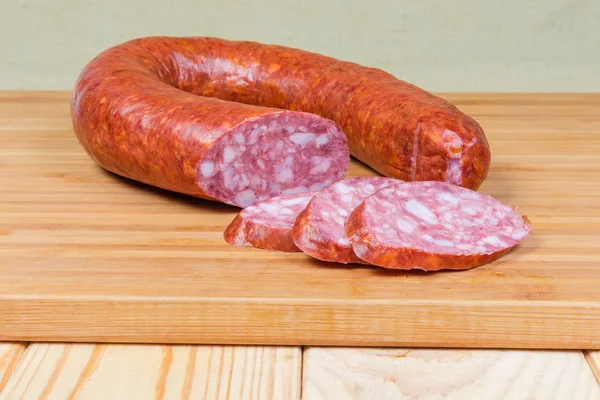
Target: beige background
(441, 45)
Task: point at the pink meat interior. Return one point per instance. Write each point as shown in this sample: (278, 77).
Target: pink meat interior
(441, 218)
(273, 155)
(277, 212)
(331, 206)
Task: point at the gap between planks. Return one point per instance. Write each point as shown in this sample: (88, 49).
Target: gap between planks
(593, 359)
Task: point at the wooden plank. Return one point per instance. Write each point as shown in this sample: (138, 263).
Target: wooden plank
(593, 358)
(68, 371)
(10, 354)
(87, 256)
(340, 373)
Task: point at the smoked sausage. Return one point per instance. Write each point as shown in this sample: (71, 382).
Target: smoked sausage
(202, 115)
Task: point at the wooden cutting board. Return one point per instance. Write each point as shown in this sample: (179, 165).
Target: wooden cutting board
(88, 256)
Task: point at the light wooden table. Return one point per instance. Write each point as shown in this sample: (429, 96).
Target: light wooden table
(97, 371)
(120, 371)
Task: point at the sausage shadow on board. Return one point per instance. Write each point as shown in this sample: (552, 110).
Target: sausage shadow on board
(153, 191)
(511, 259)
(373, 270)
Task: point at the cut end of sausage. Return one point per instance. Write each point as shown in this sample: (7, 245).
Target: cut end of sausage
(272, 155)
(433, 225)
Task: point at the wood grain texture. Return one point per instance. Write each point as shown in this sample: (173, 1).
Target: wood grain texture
(88, 256)
(10, 354)
(593, 358)
(339, 373)
(86, 371)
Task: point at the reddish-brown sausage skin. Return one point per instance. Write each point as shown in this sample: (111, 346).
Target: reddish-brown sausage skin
(396, 128)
